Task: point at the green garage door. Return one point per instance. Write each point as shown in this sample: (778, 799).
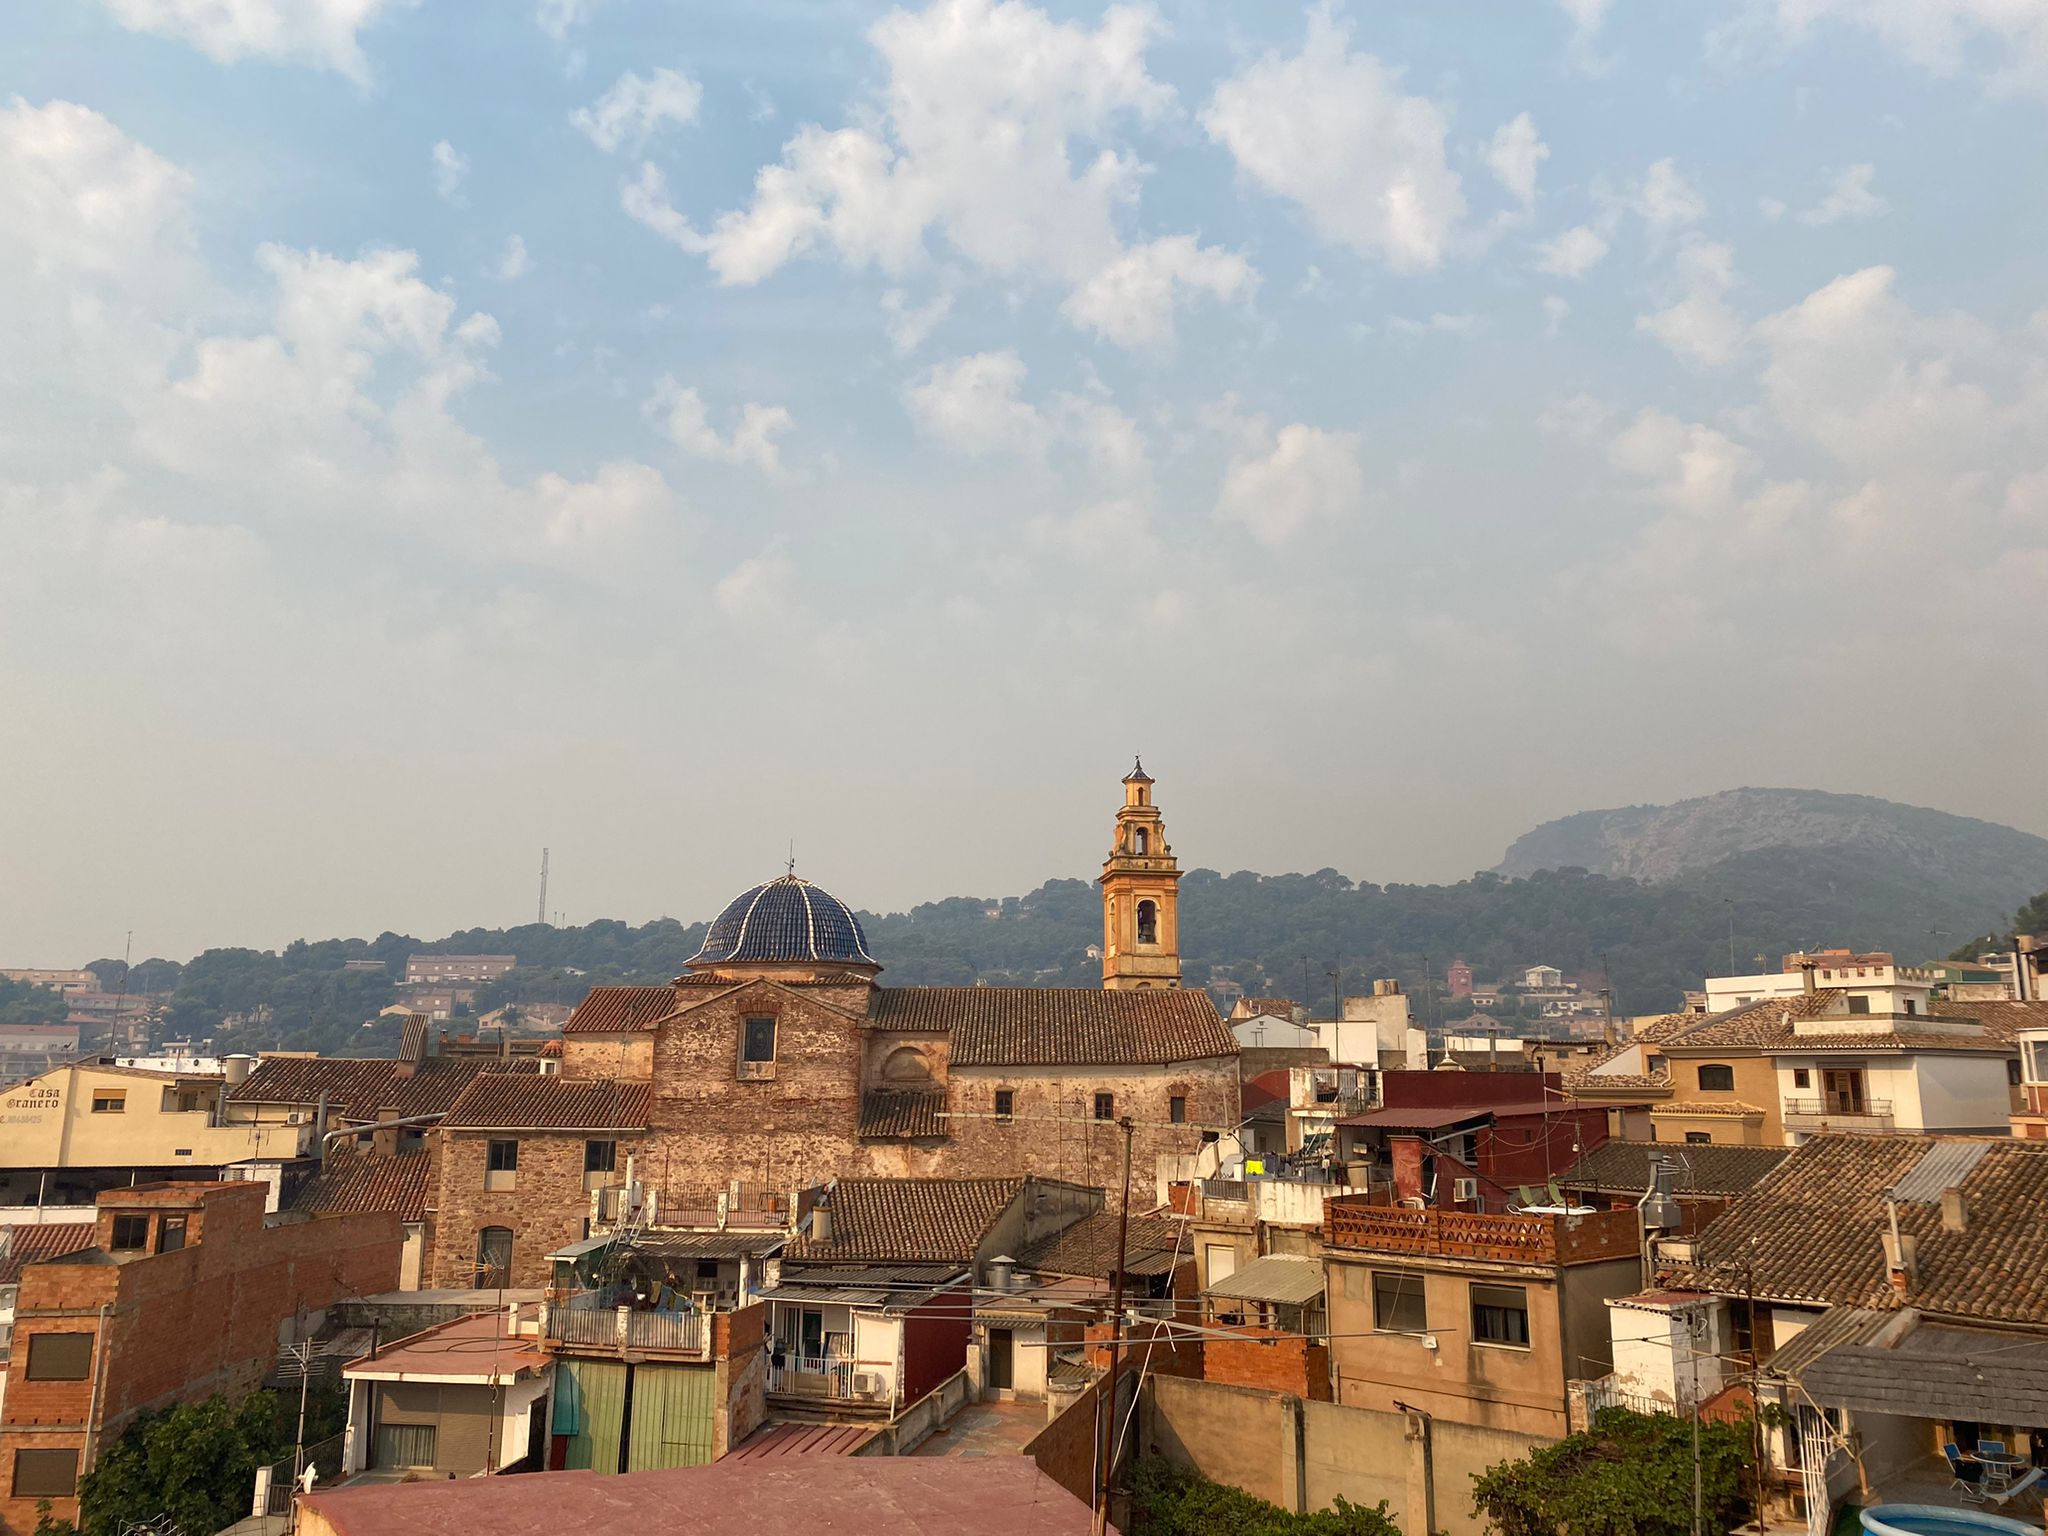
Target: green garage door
(672, 1416)
(590, 1401)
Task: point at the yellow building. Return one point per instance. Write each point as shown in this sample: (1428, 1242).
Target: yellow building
(75, 1130)
(1140, 895)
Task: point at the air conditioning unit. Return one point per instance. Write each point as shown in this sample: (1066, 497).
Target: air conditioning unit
(1465, 1189)
(867, 1384)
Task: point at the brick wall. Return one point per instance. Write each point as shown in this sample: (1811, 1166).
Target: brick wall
(1270, 1361)
(1055, 1134)
(546, 1208)
(583, 1056)
(180, 1325)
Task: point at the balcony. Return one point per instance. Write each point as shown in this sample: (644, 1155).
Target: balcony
(1349, 1222)
(1831, 1115)
(628, 1330)
(863, 1382)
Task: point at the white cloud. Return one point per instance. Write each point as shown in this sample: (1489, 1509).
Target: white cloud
(558, 18)
(1587, 18)
(620, 499)
(1943, 36)
(1555, 311)
(1330, 130)
(686, 421)
(633, 110)
(321, 32)
(1515, 156)
(1691, 467)
(1667, 201)
(910, 324)
(1573, 253)
(1299, 476)
(515, 263)
(1849, 198)
(79, 196)
(1132, 300)
(450, 166)
(988, 106)
(1438, 324)
(756, 588)
(972, 405)
(1698, 325)
(1117, 526)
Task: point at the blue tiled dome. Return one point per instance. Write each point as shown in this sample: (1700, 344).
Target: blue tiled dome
(786, 920)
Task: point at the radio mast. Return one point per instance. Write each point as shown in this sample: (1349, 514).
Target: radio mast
(542, 919)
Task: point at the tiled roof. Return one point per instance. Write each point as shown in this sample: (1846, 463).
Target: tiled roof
(30, 1244)
(1087, 1249)
(1756, 1024)
(1999, 1019)
(500, 1101)
(1277, 1007)
(1769, 1025)
(1623, 1167)
(357, 1179)
(357, 1087)
(908, 1220)
(1061, 1026)
(619, 1010)
(1579, 1083)
(785, 919)
(902, 1114)
(1731, 1107)
(1813, 1230)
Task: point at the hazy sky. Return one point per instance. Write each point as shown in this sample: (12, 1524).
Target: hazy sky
(663, 430)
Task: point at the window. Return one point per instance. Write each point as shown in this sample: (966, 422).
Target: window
(405, 1446)
(1006, 1103)
(1397, 1304)
(1105, 1106)
(59, 1356)
(759, 1044)
(2012, 1071)
(48, 1474)
(600, 1157)
(1912, 1006)
(109, 1101)
(1698, 1138)
(1500, 1315)
(504, 1157)
(1177, 1109)
(1842, 1090)
(1859, 1005)
(131, 1234)
(1802, 1077)
(1148, 922)
(170, 1234)
(1717, 1079)
(493, 1257)
(1139, 842)
(1741, 1325)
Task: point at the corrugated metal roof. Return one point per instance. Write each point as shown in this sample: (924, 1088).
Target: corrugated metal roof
(1424, 1117)
(1942, 1166)
(1276, 1277)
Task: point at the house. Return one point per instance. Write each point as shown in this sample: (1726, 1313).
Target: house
(1704, 1178)
(1458, 978)
(465, 1398)
(1893, 1292)
(1474, 1319)
(438, 970)
(741, 1496)
(874, 1305)
(2030, 1117)
(72, 1131)
(1875, 976)
(187, 1290)
(1375, 1031)
(378, 1177)
(27, 1050)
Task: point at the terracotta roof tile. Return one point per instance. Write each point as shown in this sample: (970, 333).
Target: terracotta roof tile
(1623, 1167)
(1732, 1107)
(1087, 1249)
(1060, 1026)
(32, 1243)
(908, 1220)
(619, 1010)
(2000, 1019)
(357, 1087)
(902, 1114)
(499, 1101)
(1813, 1230)
(357, 1179)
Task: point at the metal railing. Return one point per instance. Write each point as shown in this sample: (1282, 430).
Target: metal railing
(860, 1381)
(322, 1455)
(627, 1328)
(1805, 1113)
(1349, 1222)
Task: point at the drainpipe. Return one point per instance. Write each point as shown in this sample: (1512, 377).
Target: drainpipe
(101, 1344)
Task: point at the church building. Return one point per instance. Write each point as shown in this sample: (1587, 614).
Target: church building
(780, 1059)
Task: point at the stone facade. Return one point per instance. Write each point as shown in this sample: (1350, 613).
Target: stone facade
(545, 1204)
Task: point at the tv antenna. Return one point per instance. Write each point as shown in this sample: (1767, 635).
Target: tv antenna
(542, 918)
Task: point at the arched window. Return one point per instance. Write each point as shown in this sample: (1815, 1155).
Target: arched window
(906, 1064)
(493, 1258)
(1139, 841)
(1148, 922)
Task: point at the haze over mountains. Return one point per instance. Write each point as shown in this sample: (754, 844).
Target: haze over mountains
(1652, 897)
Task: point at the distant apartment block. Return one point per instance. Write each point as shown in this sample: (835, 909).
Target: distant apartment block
(439, 970)
(186, 1291)
(57, 981)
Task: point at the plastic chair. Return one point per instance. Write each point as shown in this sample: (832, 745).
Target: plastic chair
(1990, 1447)
(1966, 1477)
(2026, 1484)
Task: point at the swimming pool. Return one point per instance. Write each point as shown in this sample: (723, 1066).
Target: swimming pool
(1940, 1520)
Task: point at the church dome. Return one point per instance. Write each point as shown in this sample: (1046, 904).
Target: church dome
(786, 922)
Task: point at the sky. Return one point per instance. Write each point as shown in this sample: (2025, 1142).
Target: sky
(673, 434)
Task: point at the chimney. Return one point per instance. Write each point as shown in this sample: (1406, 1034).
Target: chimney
(384, 1140)
(821, 1223)
(237, 1068)
(412, 1044)
(2022, 962)
(1002, 1274)
(1955, 1211)
(1806, 973)
(1901, 1254)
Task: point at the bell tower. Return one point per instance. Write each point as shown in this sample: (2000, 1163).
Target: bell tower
(1140, 879)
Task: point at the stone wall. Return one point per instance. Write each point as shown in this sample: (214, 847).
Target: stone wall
(546, 1208)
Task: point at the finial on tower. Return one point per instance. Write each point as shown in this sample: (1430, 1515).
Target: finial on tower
(1138, 774)
(789, 867)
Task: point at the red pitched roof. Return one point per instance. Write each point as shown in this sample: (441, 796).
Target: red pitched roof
(357, 1179)
(31, 1244)
(909, 1220)
(620, 1010)
(499, 1101)
(1061, 1026)
(357, 1087)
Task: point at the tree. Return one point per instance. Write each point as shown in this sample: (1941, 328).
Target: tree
(1173, 1501)
(1631, 1475)
(23, 1002)
(2033, 917)
(194, 1462)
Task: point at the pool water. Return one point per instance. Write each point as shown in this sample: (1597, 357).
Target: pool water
(1940, 1520)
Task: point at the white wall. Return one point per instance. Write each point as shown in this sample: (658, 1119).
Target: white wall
(1928, 1091)
(1267, 1031)
(1673, 1354)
